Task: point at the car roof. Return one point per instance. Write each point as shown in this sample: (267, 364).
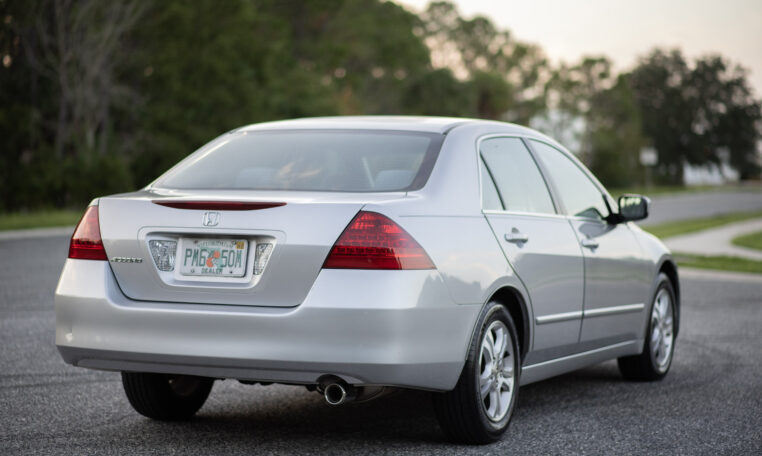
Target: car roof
(400, 123)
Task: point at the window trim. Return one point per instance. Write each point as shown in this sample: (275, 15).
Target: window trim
(576, 162)
(554, 200)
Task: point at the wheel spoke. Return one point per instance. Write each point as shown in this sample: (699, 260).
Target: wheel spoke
(506, 382)
(655, 342)
(486, 387)
(488, 346)
(663, 304)
(492, 411)
(497, 348)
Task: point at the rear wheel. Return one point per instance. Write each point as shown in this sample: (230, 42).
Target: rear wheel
(480, 407)
(166, 397)
(655, 360)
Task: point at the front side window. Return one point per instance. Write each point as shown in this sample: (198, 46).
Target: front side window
(314, 160)
(519, 183)
(580, 196)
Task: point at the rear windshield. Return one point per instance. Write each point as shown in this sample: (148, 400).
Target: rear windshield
(331, 161)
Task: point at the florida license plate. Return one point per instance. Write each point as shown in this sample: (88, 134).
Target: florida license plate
(213, 257)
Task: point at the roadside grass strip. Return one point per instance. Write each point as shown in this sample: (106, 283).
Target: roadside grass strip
(724, 263)
(665, 230)
(750, 241)
(39, 219)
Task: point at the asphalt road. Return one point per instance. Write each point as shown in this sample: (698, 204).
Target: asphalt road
(670, 208)
(710, 403)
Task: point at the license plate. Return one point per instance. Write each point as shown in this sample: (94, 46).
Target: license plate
(213, 257)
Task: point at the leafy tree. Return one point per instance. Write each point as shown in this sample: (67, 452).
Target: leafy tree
(505, 72)
(614, 135)
(439, 93)
(569, 93)
(61, 59)
(693, 114)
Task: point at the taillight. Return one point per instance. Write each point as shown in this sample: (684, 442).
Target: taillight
(374, 241)
(86, 243)
(217, 205)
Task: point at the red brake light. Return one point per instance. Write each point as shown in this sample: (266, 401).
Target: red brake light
(217, 205)
(373, 241)
(86, 243)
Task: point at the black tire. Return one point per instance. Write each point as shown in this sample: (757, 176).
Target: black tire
(166, 397)
(646, 366)
(461, 412)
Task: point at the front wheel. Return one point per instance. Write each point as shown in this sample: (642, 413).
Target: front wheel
(166, 397)
(480, 407)
(655, 360)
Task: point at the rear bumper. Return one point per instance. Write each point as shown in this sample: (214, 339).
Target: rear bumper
(394, 328)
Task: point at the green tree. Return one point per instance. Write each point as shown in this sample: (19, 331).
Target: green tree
(614, 135)
(439, 93)
(692, 114)
(569, 94)
(504, 72)
(60, 75)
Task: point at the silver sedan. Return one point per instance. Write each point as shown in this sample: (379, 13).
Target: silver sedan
(358, 255)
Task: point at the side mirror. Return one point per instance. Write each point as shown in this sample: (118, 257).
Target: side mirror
(633, 207)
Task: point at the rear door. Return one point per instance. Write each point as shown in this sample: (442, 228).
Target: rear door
(538, 243)
(616, 281)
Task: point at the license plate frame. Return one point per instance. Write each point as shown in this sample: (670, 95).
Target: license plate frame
(210, 258)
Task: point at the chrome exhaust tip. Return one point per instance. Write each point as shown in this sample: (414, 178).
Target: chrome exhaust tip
(335, 394)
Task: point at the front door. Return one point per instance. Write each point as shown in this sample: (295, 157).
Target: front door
(616, 282)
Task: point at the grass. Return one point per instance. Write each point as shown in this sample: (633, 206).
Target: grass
(668, 229)
(40, 219)
(661, 190)
(751, 240)
(667, 190)
(723, 263)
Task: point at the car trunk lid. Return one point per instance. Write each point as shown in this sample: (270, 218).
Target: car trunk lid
(300, 230)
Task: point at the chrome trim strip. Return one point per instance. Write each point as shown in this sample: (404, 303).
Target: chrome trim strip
(576, 355)
(523, 214)
(555, 318)
(566, 316)
(614, 310)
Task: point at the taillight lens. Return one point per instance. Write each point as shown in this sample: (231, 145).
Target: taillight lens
(86, 243)
(373, 241)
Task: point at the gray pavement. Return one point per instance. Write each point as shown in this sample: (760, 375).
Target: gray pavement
(710, 403)
(671, 208)
(718, 241)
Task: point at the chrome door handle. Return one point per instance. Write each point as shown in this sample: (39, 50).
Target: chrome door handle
(590, 243)
(516, 237)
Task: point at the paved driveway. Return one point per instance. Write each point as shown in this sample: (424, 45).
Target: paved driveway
(705, 204)
(711, 402)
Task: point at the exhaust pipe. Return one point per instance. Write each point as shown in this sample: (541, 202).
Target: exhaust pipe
(335, 394)
(336, 391)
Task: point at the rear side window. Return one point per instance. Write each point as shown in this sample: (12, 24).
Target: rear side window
(490, 198)
(333, 161)
(519, 183)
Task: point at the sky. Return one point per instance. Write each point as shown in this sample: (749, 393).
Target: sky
(623, 30)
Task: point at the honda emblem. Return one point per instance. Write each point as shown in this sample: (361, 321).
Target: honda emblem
(211, 218)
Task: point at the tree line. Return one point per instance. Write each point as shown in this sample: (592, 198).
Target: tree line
(102, 97)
